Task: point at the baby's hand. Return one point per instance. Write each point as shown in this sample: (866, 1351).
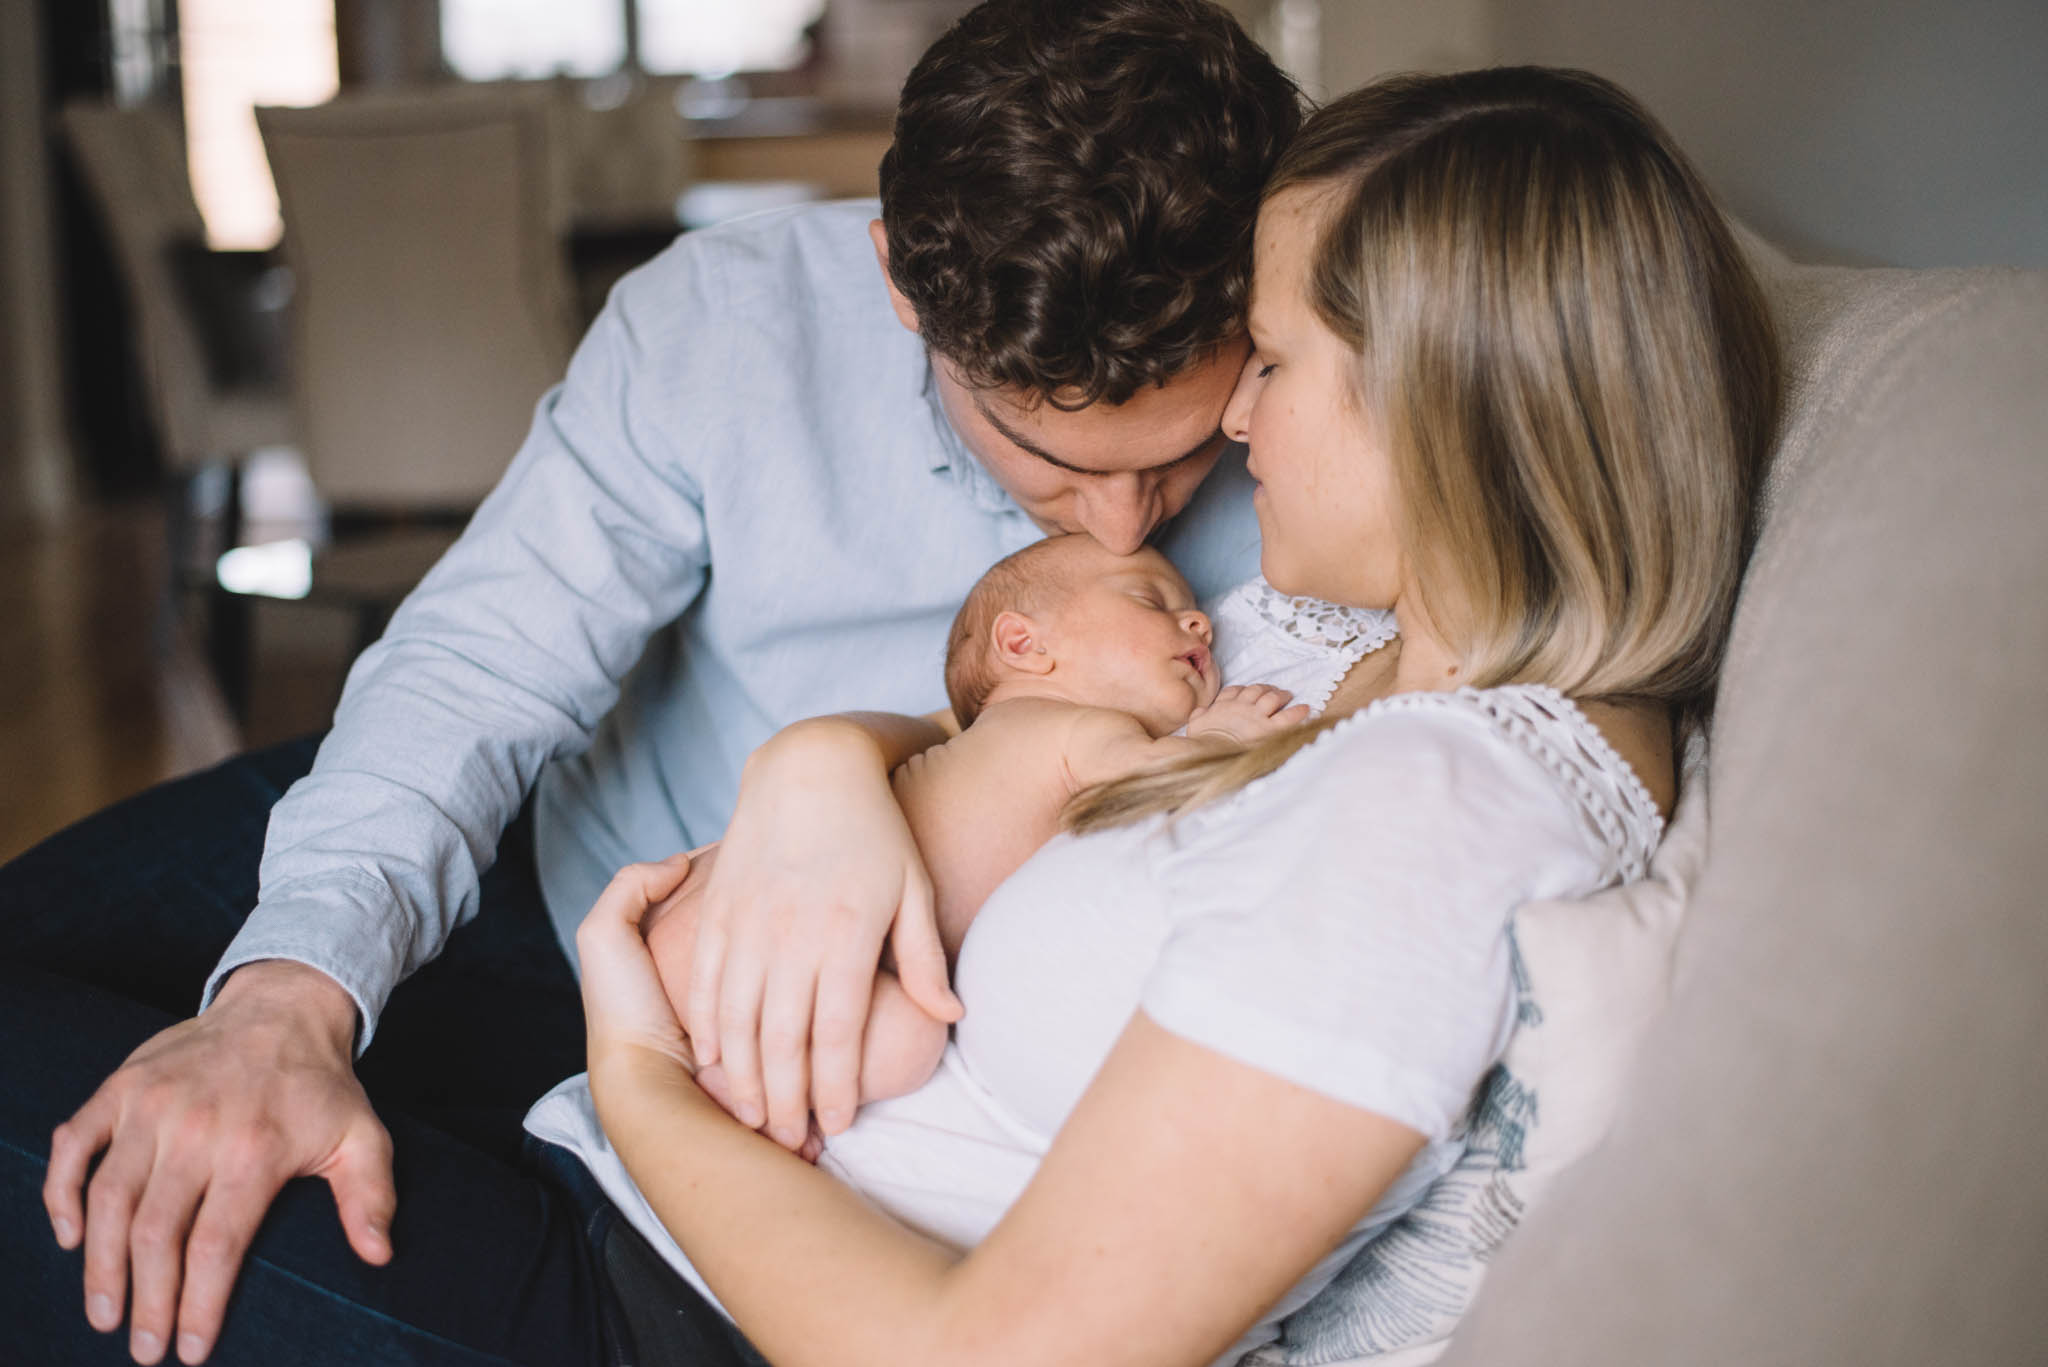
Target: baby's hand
(1247, 712)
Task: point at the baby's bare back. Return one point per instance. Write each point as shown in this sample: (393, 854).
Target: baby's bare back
(982, 803)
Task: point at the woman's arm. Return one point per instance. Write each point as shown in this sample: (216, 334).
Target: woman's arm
(1107, 1257)
(817, 869)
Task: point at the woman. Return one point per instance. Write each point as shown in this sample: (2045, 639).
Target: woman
(1512, 382)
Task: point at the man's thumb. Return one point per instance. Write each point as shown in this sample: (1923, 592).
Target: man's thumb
(364, 1193)
(921, 956)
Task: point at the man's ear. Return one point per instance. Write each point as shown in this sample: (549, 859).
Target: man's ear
(1018, 643)
(905, 314)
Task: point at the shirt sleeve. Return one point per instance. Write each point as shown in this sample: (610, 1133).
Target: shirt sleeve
(1347, 927)
(507, 655)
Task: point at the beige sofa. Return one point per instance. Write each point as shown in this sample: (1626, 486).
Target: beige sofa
(1834, 1149)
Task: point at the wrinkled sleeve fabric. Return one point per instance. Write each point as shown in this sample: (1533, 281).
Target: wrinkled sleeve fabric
(1348, 929)
(508, 654)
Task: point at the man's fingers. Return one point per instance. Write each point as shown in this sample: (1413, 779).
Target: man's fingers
(73, 1146)
(920, 955)
(786, 1052)
(156, 1246)
(226, 1222)
(110, 1201)
(364, 1193)
(846, 985)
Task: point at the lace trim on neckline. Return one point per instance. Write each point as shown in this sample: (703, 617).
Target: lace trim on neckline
(1540, 721)
(1317, 622)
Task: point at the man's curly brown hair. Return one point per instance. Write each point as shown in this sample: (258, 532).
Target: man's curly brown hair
(1070, 196)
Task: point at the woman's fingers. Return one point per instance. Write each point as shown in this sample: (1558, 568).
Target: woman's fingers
(707, 971)
(739, 1024)
(920, 953)
(846, 985)
(786, 1012)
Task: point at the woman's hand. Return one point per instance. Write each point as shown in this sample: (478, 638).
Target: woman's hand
(816, 870)
(624, 1006)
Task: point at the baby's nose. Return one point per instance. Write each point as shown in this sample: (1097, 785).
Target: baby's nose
(1198, 623)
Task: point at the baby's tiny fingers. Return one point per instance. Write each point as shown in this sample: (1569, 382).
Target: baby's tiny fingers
(1271, 700)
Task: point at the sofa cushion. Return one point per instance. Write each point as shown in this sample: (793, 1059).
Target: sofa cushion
(1829, 1150)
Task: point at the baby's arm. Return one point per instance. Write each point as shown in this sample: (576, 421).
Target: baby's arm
(1106, 745)
(1245, 713)
(900, 1046)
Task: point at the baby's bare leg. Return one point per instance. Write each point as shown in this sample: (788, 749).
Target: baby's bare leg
(900, 1047)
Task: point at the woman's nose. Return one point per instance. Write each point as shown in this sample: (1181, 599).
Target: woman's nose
(1237, 414)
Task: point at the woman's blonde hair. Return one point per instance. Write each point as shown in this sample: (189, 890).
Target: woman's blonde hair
(1571, 368)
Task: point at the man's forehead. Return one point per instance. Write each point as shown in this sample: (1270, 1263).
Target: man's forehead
(1154, 427)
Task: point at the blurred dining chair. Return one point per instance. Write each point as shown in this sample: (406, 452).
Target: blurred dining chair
(209, 339)
(211, 400)
(426, 235)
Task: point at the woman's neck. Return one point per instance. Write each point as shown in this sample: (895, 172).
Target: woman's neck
(1425, 664)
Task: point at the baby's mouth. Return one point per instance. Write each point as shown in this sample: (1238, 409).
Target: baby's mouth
(1198, 660)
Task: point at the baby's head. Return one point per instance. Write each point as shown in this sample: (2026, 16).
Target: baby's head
(1064, 618)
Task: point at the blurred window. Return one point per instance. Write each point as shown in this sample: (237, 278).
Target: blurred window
(689, 36)
(488, 40)
(235, 55)
(492, 40)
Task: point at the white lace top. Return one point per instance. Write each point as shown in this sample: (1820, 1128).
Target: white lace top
(1303, 645)
(1343, 923)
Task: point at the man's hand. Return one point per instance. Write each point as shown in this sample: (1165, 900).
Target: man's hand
(1245, 713)
(201, 1127)
(817, 869)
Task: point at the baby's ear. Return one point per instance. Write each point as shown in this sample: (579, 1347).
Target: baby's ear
(1018, 644)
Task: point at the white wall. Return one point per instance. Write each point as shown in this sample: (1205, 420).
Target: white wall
(1908, 132)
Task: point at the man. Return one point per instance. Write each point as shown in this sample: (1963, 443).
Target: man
(769, 477)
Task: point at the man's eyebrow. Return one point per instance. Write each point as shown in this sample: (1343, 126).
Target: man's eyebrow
(1018, 439)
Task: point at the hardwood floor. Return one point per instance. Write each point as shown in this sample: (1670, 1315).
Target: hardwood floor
(101, 697)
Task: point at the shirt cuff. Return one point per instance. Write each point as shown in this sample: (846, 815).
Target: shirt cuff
(331, 929)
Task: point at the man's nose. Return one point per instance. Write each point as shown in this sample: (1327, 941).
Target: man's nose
(1120, 511)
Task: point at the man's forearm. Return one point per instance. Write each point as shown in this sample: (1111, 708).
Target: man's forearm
(298, 989)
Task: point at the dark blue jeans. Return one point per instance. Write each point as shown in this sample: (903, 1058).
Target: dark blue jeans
(504, 1249)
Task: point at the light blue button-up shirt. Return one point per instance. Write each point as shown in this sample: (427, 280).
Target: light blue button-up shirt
(743, 506)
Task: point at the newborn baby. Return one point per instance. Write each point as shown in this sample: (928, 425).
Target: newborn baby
(1066, 667)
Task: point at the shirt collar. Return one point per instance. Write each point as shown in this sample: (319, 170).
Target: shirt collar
(951, 458)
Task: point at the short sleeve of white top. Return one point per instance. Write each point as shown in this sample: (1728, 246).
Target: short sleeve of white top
(1348, 928)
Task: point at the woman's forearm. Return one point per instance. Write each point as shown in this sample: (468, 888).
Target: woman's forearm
(813, 1274)
(893, 737)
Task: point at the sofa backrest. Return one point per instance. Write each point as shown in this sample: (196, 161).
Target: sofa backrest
(1831, 1149)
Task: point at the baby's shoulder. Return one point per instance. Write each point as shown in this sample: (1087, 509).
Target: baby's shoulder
(1018, 732)
(1044, 731)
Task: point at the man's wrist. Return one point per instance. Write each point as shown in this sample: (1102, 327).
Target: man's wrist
(301, 990)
